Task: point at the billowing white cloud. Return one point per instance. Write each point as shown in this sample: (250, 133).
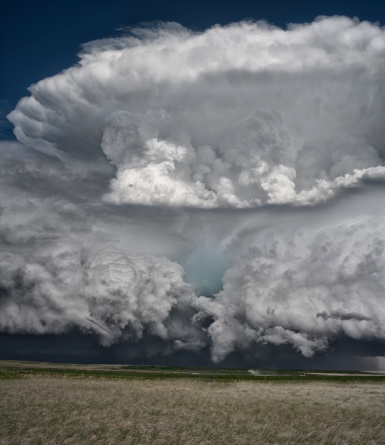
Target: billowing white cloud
(114, 294)
(303, 287)
(237, 116)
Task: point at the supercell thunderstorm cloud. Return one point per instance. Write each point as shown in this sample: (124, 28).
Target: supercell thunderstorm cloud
(218, 190)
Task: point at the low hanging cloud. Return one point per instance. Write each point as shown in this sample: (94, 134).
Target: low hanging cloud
(115, 295)
(303, 287)
(237, 116)
(168, 148)
(296, 278)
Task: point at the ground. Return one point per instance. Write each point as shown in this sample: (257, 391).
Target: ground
(38, 408)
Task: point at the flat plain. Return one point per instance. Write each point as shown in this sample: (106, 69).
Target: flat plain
(51, 404)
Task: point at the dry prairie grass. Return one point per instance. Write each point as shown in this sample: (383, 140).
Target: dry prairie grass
(43, 410)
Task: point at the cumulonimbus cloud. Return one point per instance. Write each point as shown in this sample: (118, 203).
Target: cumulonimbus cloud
(237, 116)
(246, 115)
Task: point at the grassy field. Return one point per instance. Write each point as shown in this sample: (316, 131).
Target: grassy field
(113, 405)
(13, 369)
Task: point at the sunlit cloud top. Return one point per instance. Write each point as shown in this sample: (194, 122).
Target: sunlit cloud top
(239, 116)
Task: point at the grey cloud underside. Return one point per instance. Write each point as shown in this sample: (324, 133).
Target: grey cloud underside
(343, 315)
(157, 146)
(238, 116)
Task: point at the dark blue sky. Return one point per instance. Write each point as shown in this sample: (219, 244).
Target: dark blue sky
(40, 38)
